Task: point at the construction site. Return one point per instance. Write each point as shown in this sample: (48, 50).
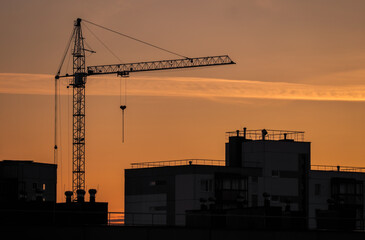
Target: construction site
(266, 184)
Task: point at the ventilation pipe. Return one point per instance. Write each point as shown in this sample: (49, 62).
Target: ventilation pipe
(92, 193)
(80, 195)
(68, 196)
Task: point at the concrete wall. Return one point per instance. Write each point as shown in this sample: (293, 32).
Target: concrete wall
(188, 192)
(318, 200)
(280, 163)
(146, 209)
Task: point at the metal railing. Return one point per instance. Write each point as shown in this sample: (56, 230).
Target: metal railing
(116, 218)
(213, 162)
(269, 134)
(181, 162)
(331, 168)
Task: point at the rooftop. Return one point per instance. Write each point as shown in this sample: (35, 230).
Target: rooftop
(180, 162)
(27, 162)
(214, 162)
(331, 168)
(268, 134)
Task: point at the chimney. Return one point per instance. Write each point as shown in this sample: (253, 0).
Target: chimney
(92, 193)
(80, 195)
(68, 196)
(238, 133)
(244, 133)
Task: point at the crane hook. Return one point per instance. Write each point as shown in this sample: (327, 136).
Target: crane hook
(123, 107)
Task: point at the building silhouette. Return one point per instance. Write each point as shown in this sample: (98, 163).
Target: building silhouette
(266, 181)
(27, 181)
(28, 197)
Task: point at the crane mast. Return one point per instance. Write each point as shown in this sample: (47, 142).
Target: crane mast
(78, 123)
(78, 82)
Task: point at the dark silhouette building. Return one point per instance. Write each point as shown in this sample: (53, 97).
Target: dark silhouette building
(28, 197)
(266, 181)
(27, 181)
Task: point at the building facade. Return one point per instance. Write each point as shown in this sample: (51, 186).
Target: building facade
(265, 173)
(27, 181)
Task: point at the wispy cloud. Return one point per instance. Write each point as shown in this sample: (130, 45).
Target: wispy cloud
(186, 87)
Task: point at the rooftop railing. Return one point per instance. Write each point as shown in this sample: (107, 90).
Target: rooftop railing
(181, 162)
(214, 162)
(331, 168)
(268, 134)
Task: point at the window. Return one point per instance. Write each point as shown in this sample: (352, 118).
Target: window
(206, 185)
(342, 188)
(254, 179)
(44, 186)
(275, 173)
(158, 182)
(22, 186)
(226, 184)
(275, 198)
(358, 188)
(254, 200)
(243, 184)
(235, 184)
(317, 189)
(158, 208)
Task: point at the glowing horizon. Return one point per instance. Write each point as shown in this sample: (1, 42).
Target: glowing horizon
(43, 84)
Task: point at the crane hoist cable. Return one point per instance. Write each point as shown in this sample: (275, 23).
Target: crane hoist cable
(123, 102)
(68, 137)
(123, 106)
(65, 52)
(102, 43)
(55, 153)
(60, 162)
(55, 120)
(135, 39)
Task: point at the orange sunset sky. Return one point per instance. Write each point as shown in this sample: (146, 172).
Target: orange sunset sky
(300, 66)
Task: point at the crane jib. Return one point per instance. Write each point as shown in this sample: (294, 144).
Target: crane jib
(124, 69)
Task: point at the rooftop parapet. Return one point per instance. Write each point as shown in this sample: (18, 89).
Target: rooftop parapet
(331, 168)
(268, 134)
(181, 162)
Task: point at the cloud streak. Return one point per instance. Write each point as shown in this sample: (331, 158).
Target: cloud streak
(42, 84)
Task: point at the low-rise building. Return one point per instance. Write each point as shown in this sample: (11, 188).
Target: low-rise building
(27, 181)
(266, 173)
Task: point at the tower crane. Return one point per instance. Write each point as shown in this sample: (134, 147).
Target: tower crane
(77, 80)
